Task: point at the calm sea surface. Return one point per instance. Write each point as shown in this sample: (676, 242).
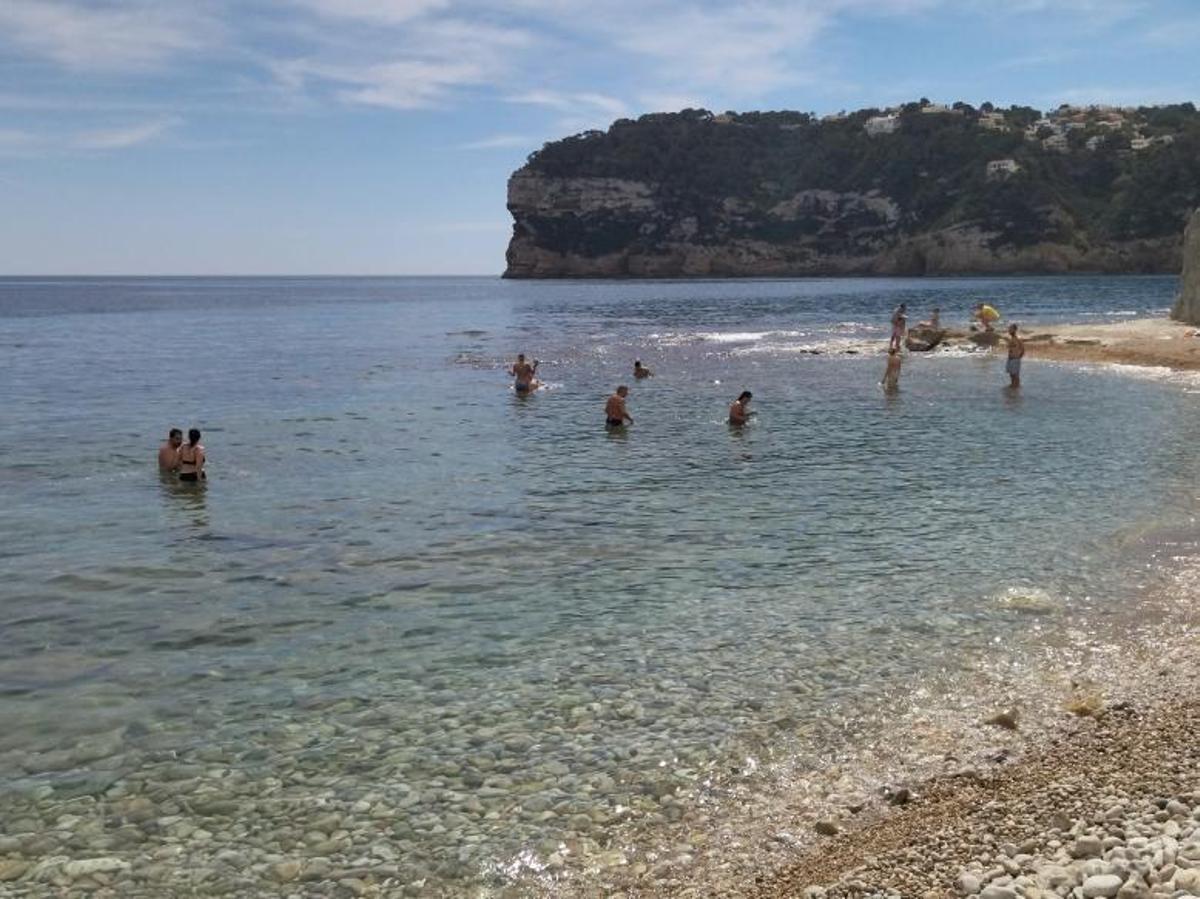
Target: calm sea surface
(417, 621)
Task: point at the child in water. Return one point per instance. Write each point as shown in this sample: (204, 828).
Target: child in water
(891, 374)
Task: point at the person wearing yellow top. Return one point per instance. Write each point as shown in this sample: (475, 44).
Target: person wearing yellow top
(986, 315)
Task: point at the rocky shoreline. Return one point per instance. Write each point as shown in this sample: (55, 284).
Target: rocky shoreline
(1109, 809)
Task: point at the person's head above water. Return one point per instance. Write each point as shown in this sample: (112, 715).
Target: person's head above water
(622, 390)
(637, 364)
(520, 357)
(1012, 329)
(745, 396)
(194, 436)
(175, 437)
(892, 351)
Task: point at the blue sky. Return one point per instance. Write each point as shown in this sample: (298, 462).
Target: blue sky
(376, 136)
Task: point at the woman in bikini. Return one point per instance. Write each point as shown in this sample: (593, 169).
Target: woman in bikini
(191, 459)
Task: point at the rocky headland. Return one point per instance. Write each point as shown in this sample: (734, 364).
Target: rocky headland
(1187, 306)
(918, 190)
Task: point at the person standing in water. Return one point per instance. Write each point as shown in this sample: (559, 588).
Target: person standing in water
(168, 453)
(899, 326)
(739, 412)
(1016, 352)
(891, 374)
(525, 374)
(640, 371)
(615, 413)
(192, 459)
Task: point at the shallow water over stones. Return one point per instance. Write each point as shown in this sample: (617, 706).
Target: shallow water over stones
(435, 637)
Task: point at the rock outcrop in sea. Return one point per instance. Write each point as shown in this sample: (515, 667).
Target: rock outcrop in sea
(931, 190)
(1187, 306)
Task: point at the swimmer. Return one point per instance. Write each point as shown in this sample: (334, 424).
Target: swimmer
(738, 413)
(935, 320)
(1016, 352)
(615, 414)
(899, 326)
(891, 374)
(524, 374)
(168, 453)
(192, 459)
(640, 371)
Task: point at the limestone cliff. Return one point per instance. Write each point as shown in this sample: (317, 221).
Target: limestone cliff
(1187, 306)
(778, 194)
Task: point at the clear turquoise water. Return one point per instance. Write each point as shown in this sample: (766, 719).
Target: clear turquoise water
(404, 581)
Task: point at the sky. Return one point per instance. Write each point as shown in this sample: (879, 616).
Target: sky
(377, 136)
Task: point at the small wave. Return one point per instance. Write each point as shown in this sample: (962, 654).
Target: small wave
(672, 339)
(818, 348)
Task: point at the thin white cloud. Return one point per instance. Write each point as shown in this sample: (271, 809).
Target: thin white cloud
(421, 69)
(572, 102)
(379, 12)
(1124, 95)
(122, 138)
(500, 142)
(134, 35)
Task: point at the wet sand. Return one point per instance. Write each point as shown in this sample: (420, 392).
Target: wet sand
(1148, 341)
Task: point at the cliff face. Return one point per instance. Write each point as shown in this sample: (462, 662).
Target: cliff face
(779, 194)
(611, 228)
(1187, 306)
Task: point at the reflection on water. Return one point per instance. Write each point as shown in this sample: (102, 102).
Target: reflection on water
(469, 627)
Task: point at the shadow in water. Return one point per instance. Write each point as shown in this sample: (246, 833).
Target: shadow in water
(188, 499)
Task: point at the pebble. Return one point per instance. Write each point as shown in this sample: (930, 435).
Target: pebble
(1101, 886)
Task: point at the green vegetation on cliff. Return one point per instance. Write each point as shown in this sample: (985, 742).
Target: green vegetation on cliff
(1077, 177)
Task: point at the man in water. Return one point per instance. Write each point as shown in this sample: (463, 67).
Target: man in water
(168, 453)
(935, 320)
(891, 374)
(640, 371)
(739, 414)
(524, 374)
(615, 414)
(1016, 352)
(899, 326)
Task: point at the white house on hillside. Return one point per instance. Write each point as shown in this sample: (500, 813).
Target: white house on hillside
(882, 124)
(1001, 168)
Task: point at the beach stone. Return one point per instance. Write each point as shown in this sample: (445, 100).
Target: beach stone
(1087, 846)
(1187, 879)
(11, 869)
(1006, 719)
(285, 872)
(1101, 886)
(998, 892)
(827, 828)
(968, 883)
(89, 866)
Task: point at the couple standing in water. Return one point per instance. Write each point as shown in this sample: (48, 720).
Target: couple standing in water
(185, 460)
(616, 415)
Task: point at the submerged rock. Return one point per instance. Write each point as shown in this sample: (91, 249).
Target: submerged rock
(922, 340)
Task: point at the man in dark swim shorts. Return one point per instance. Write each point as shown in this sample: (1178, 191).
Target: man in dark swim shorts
(615, 414)
(524, 373)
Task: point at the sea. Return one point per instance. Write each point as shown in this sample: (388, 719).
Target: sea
(419, 630)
